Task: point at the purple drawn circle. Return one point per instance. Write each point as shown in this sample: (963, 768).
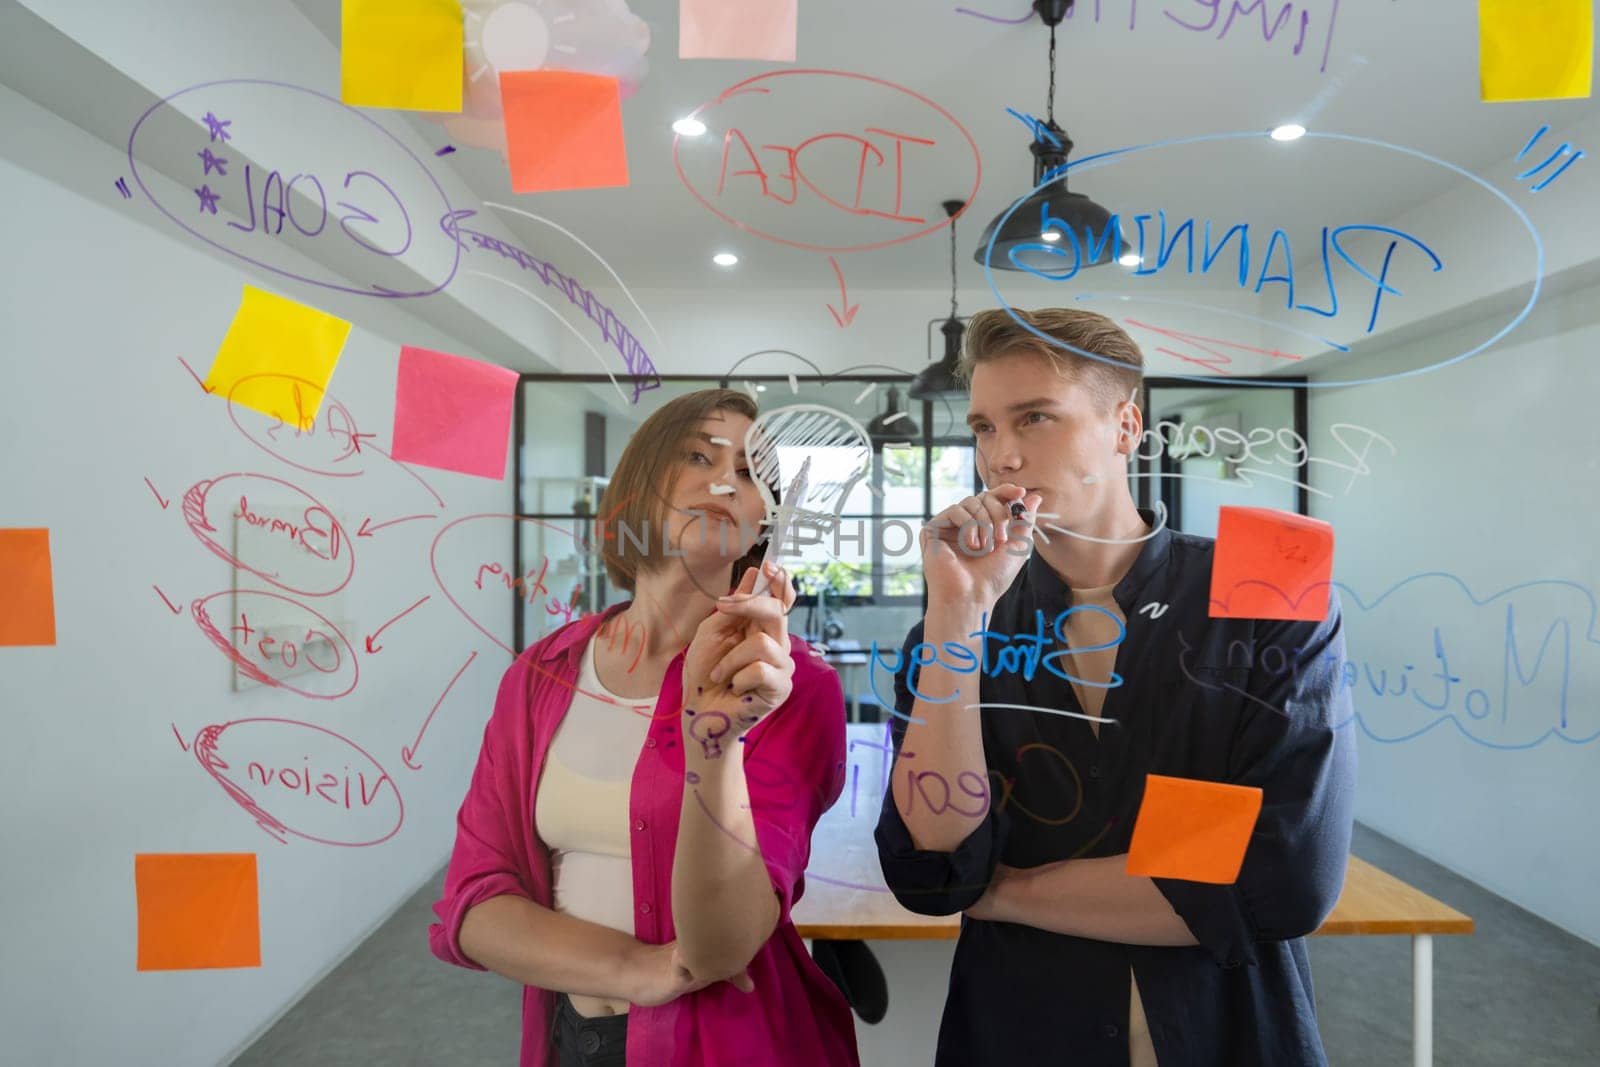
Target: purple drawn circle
(373, 291)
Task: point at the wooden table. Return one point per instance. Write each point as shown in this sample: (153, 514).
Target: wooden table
(1376, 902)
(846, 898)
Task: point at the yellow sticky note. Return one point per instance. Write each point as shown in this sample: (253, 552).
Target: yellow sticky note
(1535, 49)
(277, 357)
(401, 53)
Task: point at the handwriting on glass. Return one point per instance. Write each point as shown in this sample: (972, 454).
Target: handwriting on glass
(285, 213)
(1021, 652)
(1298, 22)
(876, 178)
(279, 771)
(634, 357)
(1202, 442)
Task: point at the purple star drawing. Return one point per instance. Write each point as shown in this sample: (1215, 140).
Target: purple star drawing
(217, 127)
(208, 199)
(210, 161)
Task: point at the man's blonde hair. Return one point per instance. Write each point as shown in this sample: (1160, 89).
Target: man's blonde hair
(994, 333)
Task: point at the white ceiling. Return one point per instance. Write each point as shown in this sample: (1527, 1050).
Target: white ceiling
(1403, 72)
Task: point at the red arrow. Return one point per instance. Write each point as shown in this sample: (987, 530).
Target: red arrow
(407, 753)
(848, 315)
(163, 503)
(168, 603)
(367, 529)
(197, 380)
(374, 635)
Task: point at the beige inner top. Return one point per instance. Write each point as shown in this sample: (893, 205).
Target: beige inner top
(581, 810)
(1086, 629)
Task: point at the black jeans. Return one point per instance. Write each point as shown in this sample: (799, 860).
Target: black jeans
(584, 1042)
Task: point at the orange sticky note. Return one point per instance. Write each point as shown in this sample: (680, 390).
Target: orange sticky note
(1535, 49)
(737, 29)
(272, 341)
(563, 130)
(453, 413)
(1270, 565)
(1194, 830)
(401, 53)
(27, 588)
(197, 910)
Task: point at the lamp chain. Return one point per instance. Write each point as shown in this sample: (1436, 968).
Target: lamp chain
(1050, 104)
(952, 266)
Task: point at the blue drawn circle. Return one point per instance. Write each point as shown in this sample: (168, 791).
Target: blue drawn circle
(373, 291)
(1533, 298)
(1484, 714)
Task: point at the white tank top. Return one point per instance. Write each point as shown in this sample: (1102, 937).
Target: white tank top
(581, 808)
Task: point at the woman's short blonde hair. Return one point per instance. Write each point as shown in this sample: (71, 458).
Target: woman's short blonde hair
(634, 500)
(994, 333)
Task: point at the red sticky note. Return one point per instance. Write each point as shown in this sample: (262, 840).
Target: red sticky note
(1194, 830)
(737, 29)
(563, 130)
(197, 910)
(453, 413)
(27, 589)
(1270, 565)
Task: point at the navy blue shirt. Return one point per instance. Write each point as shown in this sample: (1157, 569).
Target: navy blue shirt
(1242, 701)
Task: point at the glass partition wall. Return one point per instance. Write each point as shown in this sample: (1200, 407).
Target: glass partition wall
(1205, 445)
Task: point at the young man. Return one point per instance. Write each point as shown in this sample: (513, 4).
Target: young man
(1097, 663)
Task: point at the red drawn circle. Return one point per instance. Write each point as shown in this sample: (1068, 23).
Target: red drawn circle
(213, 633)
(194, 513)
(749, 85)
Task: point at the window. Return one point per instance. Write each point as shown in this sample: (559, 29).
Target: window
(872, 557)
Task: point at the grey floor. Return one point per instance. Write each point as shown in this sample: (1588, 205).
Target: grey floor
(1518, 993)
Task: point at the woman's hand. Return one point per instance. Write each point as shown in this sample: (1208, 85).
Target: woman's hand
(738, 667)
(659, 977)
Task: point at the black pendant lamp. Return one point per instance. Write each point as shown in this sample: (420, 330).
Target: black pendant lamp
(1054, 231)
(894, 424)
(938, 380)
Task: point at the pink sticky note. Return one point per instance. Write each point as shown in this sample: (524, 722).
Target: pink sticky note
(453, 413)
(1270, 565)
(737, 29)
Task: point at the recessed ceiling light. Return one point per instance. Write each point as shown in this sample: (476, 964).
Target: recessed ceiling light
(1289, 131)
(761, 388)
(1051, 235)
(724, 259)
(1129, 259)
(689, 126)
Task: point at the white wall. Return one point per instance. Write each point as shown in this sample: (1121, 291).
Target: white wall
(97, 313)
(711, 330)
(1266, 478)
(1493, 481)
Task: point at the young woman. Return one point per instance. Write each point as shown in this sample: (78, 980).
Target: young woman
(641, 813)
